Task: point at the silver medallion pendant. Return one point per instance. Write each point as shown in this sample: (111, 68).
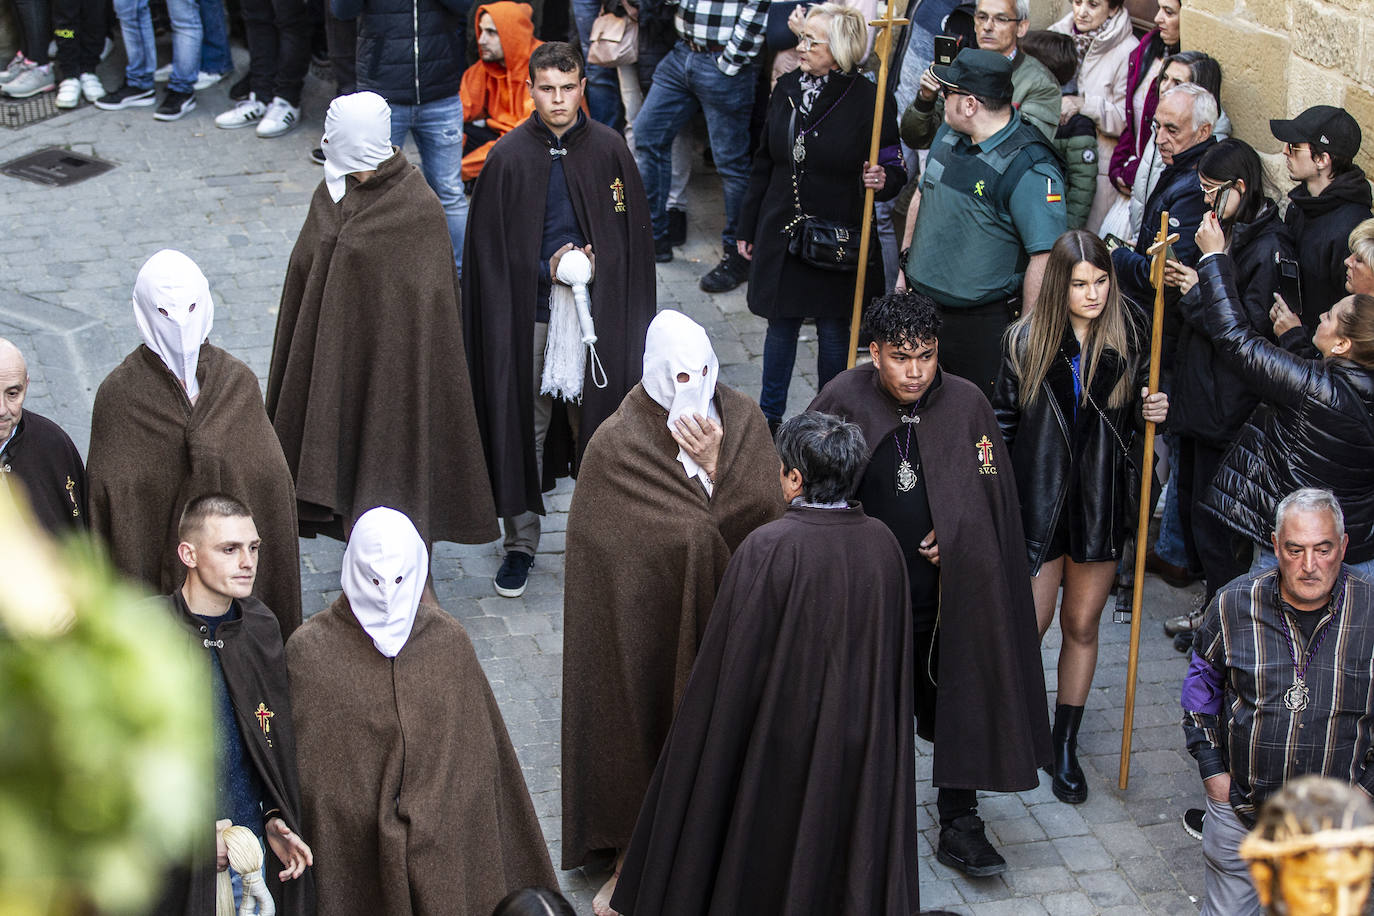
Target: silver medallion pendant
(799, 149)
(1295, 697)
(906, 477)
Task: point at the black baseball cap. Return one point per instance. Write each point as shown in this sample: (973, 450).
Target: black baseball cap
(1329, 129)
(986, 74)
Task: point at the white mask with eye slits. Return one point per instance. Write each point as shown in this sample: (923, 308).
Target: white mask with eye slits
(174, 312)
(384, 570)
(674, 345)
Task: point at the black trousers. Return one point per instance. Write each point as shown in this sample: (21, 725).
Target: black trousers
(80, 28)
(342, 37)
(278, 33)
(951, 803)
(34, 25)
(1222, 553)
(971, 341)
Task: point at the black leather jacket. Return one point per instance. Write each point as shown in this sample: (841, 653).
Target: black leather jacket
(1314, 427)
(1047, 442)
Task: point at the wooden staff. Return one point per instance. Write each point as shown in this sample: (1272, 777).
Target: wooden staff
(882, 46)
(1158, 252)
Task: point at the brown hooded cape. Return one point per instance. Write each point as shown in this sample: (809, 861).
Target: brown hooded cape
(992, 727)
(788, 783)
(414, 799)
(645, 551)
(152, 452)
(501, 267)
(368, 389)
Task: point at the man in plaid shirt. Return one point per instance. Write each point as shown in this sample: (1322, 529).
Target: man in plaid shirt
(1281, 684)
(712, 66)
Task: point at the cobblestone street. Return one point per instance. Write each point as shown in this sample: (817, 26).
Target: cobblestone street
(235, 203)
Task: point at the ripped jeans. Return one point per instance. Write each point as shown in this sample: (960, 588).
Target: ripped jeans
(438, 130)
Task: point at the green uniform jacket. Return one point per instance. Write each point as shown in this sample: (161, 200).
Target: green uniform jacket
(1033, 91)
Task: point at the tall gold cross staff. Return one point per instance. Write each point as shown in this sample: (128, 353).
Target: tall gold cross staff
(1158, 252)
(882, 46)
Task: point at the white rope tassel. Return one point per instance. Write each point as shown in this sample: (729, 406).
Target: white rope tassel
(245, 857)
(571, 329)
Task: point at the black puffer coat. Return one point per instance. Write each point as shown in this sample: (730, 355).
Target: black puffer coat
(1207, 399)
(1074, 464)
(409, 51)
(1320, 227)
(1314, 429)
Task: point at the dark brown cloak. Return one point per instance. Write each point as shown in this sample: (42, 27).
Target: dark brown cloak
(414, 799)
(788, 782)
(152, 452)
(47, 464)
(501, 268)
(645, 552)
(992, 727)
(254, 663)
(368, 389)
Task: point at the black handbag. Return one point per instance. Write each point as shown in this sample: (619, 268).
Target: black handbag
(822, 243)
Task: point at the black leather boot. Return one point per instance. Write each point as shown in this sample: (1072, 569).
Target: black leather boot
(1069, 785)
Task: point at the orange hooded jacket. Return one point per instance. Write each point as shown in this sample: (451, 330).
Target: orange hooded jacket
(496, 91)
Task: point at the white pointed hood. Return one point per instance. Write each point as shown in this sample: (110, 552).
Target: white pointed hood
(384, 570)
(174, 311)
(357, 138)
(677, 344)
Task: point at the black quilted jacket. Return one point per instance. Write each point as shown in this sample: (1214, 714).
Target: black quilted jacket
(1314, 426)
(409, 51)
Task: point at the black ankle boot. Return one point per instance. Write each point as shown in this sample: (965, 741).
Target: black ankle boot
(1069, 785)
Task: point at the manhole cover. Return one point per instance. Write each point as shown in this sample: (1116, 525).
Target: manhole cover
(17, 113)
(56, 167)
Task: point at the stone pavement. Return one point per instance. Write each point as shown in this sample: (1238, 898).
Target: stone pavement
(235, 203)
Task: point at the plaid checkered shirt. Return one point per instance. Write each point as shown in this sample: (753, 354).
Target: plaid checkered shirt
(735, 26)
(1234, 715)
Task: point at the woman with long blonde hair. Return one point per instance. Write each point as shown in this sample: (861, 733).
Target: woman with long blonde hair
(1070, 398)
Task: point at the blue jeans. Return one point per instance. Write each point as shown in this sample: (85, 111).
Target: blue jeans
(438, 130)
(1169, 545)
(1265, 559)
(603, 86)
(214, 40)
(137, 26)
(780, 355)
(684, 81)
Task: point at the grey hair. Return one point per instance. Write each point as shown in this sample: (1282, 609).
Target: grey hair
(1023, 10)
(1204, 104)
(1310, 499)
(829, 453)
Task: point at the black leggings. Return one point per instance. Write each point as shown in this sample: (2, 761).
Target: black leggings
(35, 26)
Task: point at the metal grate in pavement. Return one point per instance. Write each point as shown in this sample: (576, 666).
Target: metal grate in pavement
(55, 167)
(17, 113)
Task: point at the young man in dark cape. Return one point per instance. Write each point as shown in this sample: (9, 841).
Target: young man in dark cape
(647, 544)
(368, 389)
(788, 782)
(153, 449)
(256, 785)
(557, 180)
(939, 476)
(40, 455)
(414, 799)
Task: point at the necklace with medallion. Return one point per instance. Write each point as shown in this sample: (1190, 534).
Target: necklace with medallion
(1297, 696)
(906, 474)
(799, 144)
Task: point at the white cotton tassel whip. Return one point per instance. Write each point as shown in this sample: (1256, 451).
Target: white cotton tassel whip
(572, 333)
(245, 857)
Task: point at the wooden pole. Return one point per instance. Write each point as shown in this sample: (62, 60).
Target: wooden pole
(882, 46)
(1157, 252)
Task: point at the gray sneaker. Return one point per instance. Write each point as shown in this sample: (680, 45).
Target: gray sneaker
(31, 82)
(14, 68)
(1185, 623)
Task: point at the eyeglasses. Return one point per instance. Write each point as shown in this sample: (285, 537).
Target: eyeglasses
(1292, 149)
(947, 91)
(806, 43)
(984, 19)
(1208, 190)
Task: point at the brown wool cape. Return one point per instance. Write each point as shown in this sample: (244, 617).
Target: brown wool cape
(368, 389)
(501, 268)
(414, 799)
(152, 452)
(788, 782)
(645, 551)
(992, 727)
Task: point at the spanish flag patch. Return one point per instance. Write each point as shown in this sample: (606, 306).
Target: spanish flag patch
(1050, 196)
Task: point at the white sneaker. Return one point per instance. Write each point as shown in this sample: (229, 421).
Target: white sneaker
(91, 87)
(280, 118)
(68, 93)
(14, 68)
(162, 74)
(206, 80)
(244, 114)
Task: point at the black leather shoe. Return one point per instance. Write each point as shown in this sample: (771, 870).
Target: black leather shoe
(964, 847)
(1177, 576)
(1069, 785)
(725, 276)
(663, 250)
(677, 227)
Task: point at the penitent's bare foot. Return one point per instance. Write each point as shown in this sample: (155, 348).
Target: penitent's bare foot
(601, 903)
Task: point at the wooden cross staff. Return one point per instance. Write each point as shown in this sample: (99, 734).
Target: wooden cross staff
(882, 46)
(1157, 252)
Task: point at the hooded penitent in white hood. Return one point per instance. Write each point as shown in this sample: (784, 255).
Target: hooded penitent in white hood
(384, 570)
(677, 344)
(357, 138)
(174, 311)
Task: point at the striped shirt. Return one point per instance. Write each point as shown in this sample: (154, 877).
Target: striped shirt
(735, 28)
(1234, 715)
